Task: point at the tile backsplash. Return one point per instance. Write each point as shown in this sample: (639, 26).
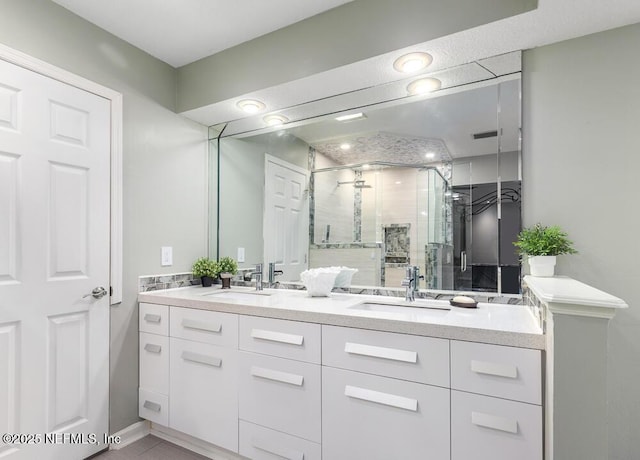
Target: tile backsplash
(156, 282)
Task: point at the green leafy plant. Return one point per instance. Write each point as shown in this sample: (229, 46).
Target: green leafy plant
(543, 241)
(205, 267)
(228, 265)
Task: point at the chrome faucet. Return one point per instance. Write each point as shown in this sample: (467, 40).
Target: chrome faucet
(273, 273)
(258, 275)
(411, 282)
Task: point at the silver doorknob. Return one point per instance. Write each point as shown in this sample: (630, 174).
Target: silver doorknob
(97, 293)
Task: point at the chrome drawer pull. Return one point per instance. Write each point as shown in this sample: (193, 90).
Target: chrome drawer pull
(277, 450)
(494, 422)
(155, 407)
(152, 348)
(381, 352)
(270, 374)
(499, 370)
(381, 398)
(273, 336)
(149, 318)
(201, 359)
(201, 325)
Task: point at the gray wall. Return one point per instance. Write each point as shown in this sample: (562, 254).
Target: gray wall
(164, 163)
(242, 170)
(581, 102)
(359, 30)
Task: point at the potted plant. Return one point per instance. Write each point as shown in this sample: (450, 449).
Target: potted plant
(206, 269)
(541, 245)
(227, 268)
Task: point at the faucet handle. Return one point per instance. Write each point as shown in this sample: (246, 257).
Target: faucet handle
(259, 267)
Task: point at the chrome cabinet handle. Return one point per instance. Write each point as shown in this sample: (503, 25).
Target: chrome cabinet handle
(201, 359)
(201, 325)
(494, 422)
(284, 377)
(378, 397)
(155, 407)
(149, 318)
(281, 337)
(381, 352)
(152, 348)
(97, 293)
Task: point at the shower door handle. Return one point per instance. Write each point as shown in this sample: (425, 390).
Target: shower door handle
(463, 261)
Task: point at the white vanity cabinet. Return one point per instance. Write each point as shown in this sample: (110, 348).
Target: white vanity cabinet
(203, 400)
(269, 389)
(153, 389)
(370, 407)
(279, 389)
(496, 397)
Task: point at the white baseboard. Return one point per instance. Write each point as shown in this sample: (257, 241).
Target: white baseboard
(131, 434)
(193, 444)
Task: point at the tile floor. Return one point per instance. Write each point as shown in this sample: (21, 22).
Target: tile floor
(150, 448)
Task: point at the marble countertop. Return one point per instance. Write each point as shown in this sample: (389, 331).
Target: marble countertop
(511, 325)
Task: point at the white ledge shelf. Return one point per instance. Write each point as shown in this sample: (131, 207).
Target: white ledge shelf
(571, 297)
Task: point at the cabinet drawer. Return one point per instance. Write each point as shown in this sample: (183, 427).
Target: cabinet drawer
(378, 418)
(486, 428)
(276, 337)
(154, 318)
(154, 363)
(204, 326)
(281, 394)
(260, 443)
(407, 357)
(495, 370)
(153, 407)
(203, 392)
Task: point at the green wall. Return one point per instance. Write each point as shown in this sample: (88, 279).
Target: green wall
(164, 156)
(581, 113)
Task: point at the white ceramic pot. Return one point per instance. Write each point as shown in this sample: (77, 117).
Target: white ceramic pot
(542, 265)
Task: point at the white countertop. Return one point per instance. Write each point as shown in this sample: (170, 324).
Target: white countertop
(501, 324)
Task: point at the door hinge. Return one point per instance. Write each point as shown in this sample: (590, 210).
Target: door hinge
(110, 291)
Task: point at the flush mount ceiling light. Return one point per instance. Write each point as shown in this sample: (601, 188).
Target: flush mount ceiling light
(412, 62)
(423, 86)
(352, 116)
(430, 156)
(251, 105)
(275, 120)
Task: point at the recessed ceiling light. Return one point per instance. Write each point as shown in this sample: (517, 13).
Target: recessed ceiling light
(412, 62)
(352, 116)
(275, 120)
(366, 166)
(430, 156)
(423, 86)
(398, 182)
(251, 105)
(345, 146)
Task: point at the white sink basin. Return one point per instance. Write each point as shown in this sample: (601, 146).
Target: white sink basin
(414, 310)
(238, 295)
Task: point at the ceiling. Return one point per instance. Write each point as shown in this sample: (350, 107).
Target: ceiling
(198, 28)
(179, 33)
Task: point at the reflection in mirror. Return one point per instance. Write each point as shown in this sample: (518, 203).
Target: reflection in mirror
(432, 182)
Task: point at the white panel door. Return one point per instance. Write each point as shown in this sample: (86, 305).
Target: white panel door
(286, 218)
(54, 250)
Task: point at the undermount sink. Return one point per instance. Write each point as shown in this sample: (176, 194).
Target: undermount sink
(415, 308)
(238, 295)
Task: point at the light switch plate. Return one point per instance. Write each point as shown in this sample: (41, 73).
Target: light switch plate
(240, 254)
(167, 256)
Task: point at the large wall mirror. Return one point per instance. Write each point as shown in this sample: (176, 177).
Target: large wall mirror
(379, 180)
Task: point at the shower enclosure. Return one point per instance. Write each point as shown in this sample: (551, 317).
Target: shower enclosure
(380, 217)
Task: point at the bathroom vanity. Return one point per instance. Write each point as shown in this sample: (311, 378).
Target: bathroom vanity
(278, 374)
